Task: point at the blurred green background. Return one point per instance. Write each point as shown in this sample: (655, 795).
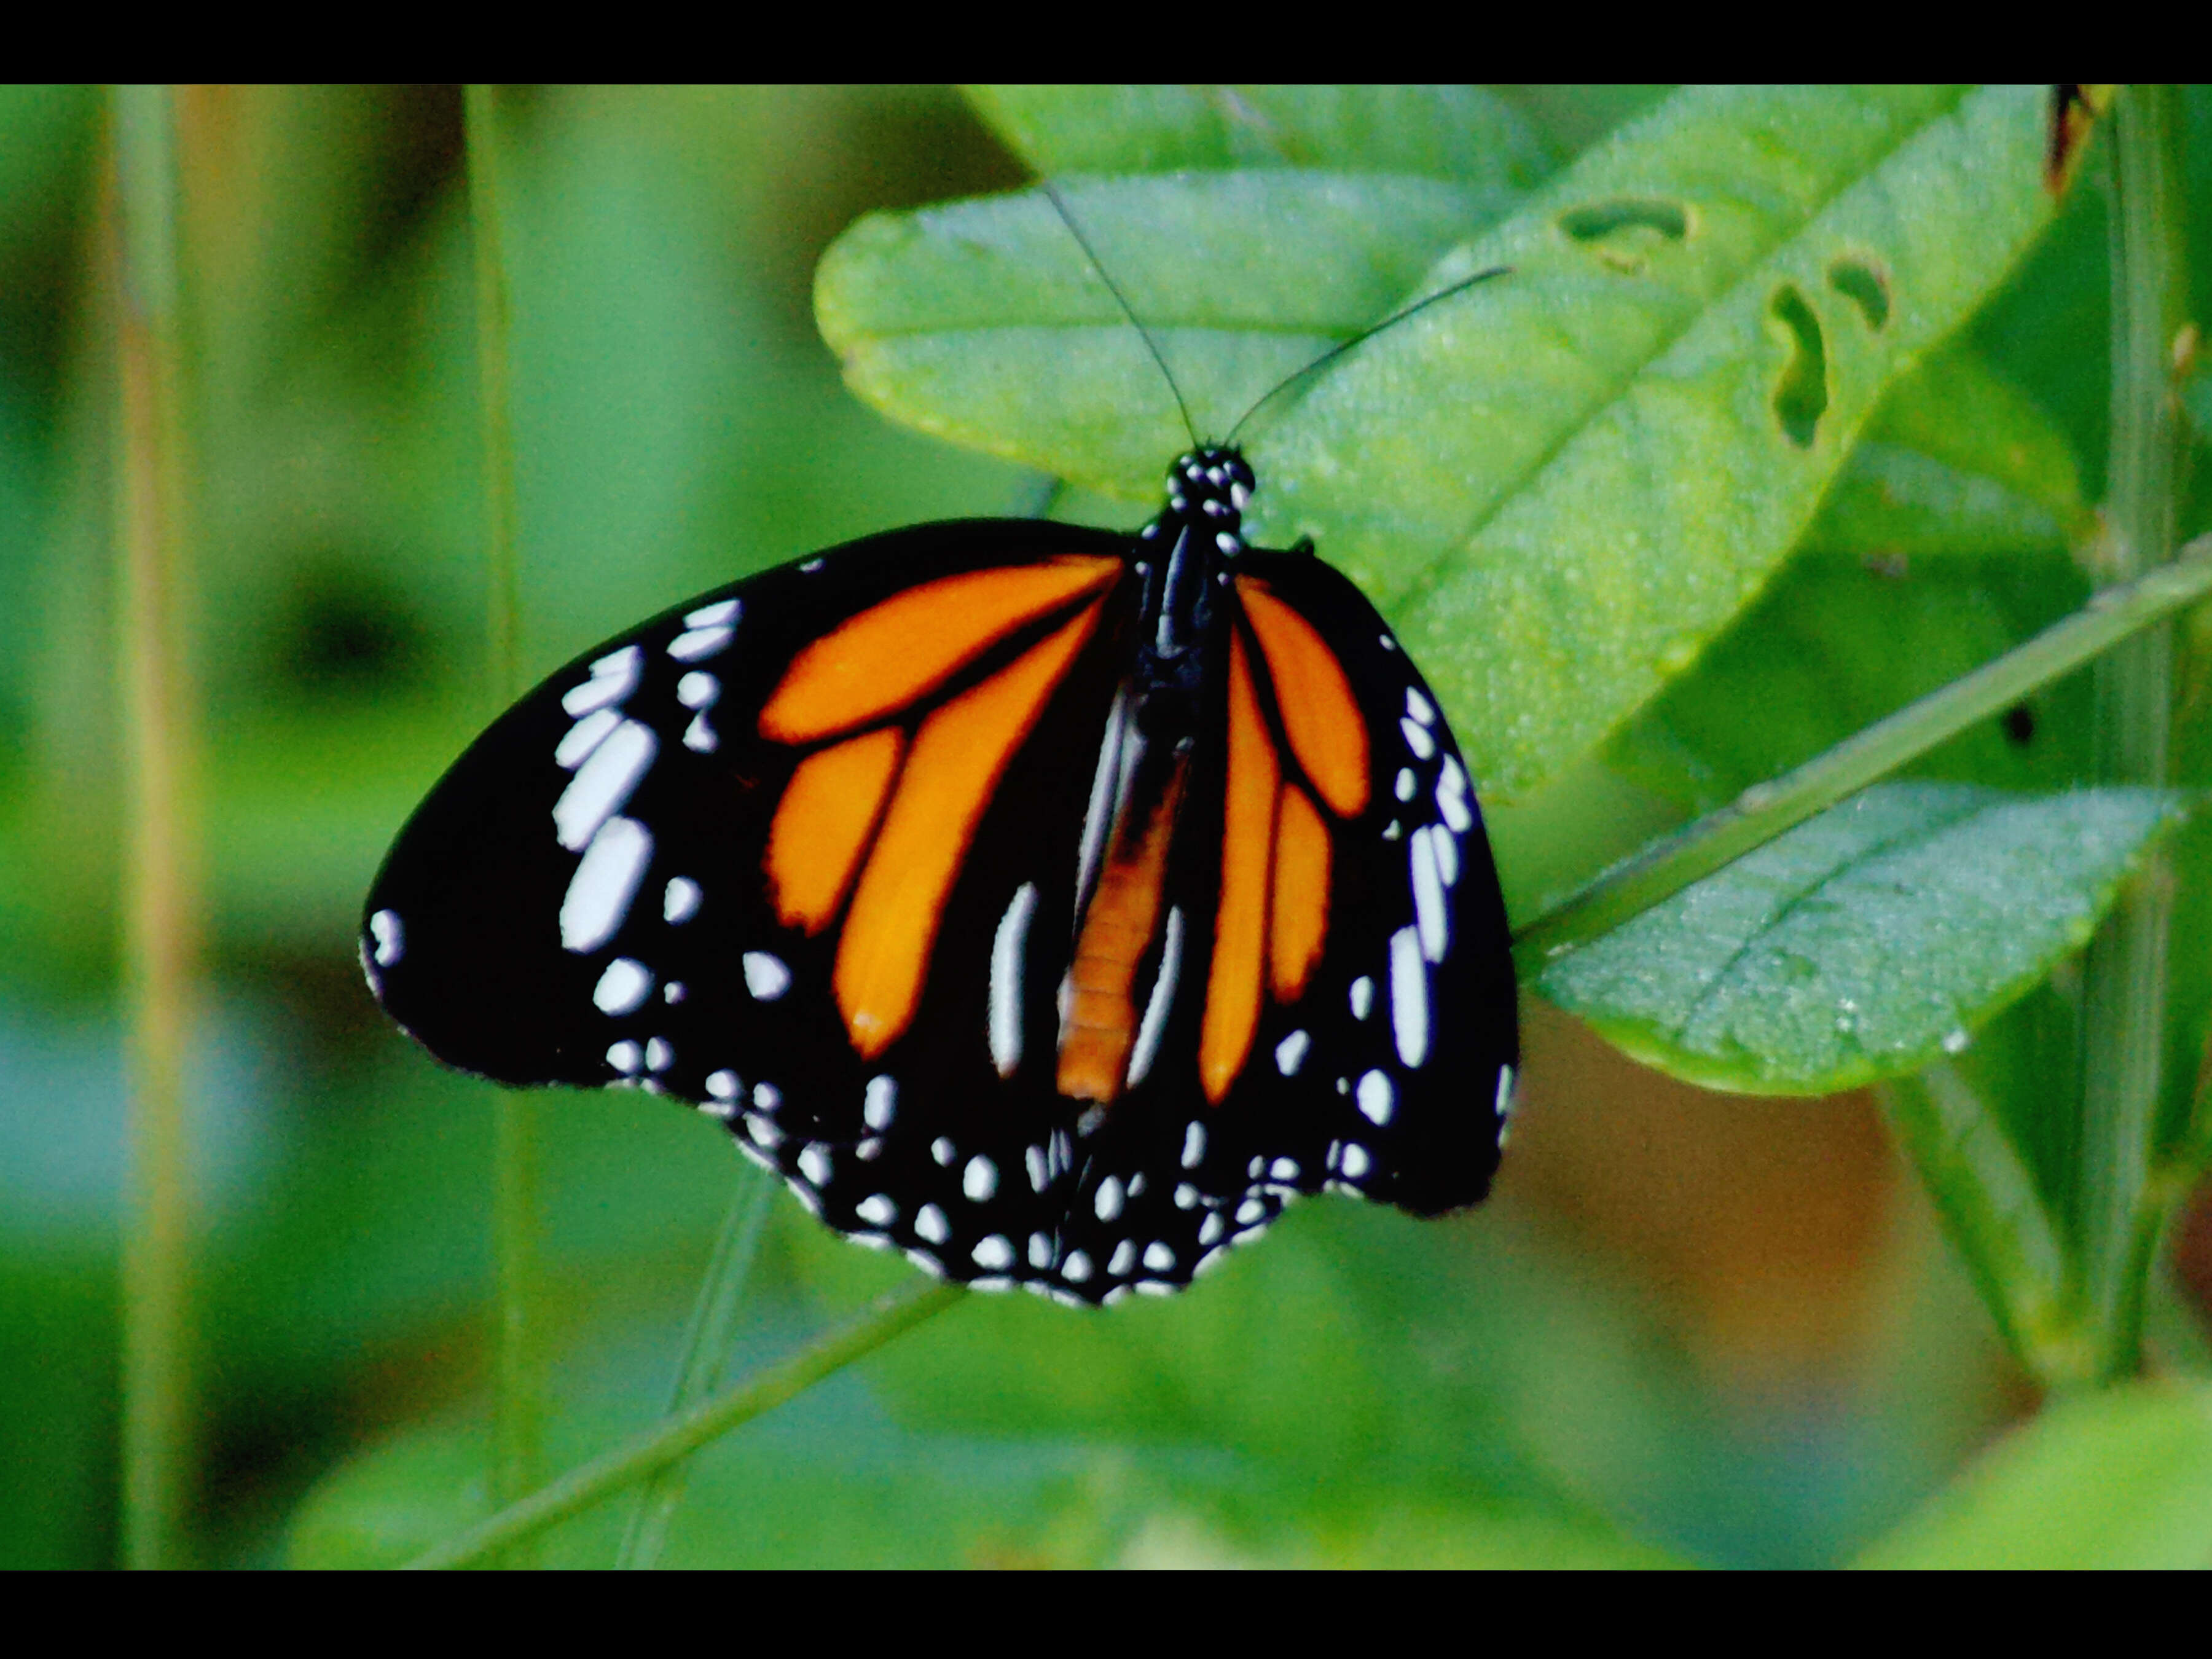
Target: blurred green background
(1688, 1326)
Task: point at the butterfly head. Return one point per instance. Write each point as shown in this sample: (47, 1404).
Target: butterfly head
(1211, 486)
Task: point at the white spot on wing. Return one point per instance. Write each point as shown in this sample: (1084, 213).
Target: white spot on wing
(627, 1058)
(931, 1225)
(1154, 1025)
(766, 976)
(1417, 737)
(979, 1180)
(1158, 1256)
(879, 1101)
(1040, 1249)
(1125, 1257)
(1291, 1053)
(1409, 997)
(943, 1151)
(1428, 912)
(578, 742)
(723, 1085)
(1006, 949)
(1451, 797)
(1419, 706)
(696, 645)
(1108, 1200)
(391, 938)
(698, 689)
(814, 1164)
(1405, 783)
(1076, 1268)
(996, 1253)
(599, 893)
(1446, 850)
(714, 615)
(877, 1210)
(1378, 1100)
(603, 784)
(1357, 1161)
(659, 1054)
(680, 901)
(1039, 1173)
(699, 737)
(1362, 997)
(1193, 1145)
(614, 677)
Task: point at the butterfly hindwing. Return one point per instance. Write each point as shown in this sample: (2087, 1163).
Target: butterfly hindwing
(1397, 1058)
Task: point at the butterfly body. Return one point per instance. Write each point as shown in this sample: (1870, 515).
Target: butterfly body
(1050, 904)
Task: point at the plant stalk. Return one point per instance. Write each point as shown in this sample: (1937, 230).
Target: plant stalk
(518, 1219)
(706, 1344)
(678, 1437)
(161, 904)
(1766, 810)
(2124, 981)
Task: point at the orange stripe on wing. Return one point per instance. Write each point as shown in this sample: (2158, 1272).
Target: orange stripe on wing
(1321, 716)
(1298, 925)
(877, 662)
(1100, 1025)
(821, 825)
(958, 756)
(1240, 926)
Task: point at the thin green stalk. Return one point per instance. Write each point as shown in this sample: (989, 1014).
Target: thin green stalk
(161, 904)
(706, 1343)
(678, 1437)
(518, 1220)
(2124, 981)
(1765, 809)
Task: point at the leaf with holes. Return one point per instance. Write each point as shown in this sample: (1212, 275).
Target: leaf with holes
(1461, 132)
(2120, 1478)
(1866, 943)
(982, 322)
(1944, 543)
(1958, 462)
(1560, 486)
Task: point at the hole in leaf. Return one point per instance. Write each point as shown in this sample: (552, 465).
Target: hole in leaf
(1623, 232)
(1864, 287)
(1801, 397)
(2019, 723)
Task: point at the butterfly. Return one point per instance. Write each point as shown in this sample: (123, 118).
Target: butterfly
(1051, 904)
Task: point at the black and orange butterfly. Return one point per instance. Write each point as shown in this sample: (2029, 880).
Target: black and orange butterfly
(1051, 904)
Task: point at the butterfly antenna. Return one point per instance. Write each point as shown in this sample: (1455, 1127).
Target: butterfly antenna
(1361, 339)
(1052, 193)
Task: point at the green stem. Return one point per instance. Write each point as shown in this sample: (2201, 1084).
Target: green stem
(705, 1341)
(518, 1221)
(679, 1437)
(1994, 1217)
(161, 904)
(1765, 809)
(2123, 983)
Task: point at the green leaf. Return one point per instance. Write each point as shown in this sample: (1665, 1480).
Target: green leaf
(1559, 487)
(1459, 132)
(1957, 462)
(1994, 1215)
(983, 322)
(2120, 1478)
(1833, 646)
(1866, 943)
